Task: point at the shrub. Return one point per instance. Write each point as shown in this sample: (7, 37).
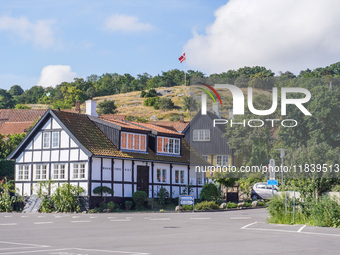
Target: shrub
(165, 104)
(139, 198)
(65, 198)
(209, 192)
(260, 203)
(103, 191)
(106, 107)
(187, 207)
(7, 199)
(128, 205)
(231, 205)
(162, 195)
(247, 204)
(111, 205)
(152, 101)
(206, 205)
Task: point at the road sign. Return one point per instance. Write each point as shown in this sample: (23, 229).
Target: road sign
(186, 200)
(272, 182)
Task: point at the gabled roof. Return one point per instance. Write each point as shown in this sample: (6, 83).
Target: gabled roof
(83, 130)
(109, 117)
(211, 115)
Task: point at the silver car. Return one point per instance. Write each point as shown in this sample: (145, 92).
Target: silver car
(261, 190)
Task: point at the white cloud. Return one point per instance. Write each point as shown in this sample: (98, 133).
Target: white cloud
(53, 75)
(278, 34)
(124, 23)
(40, 32)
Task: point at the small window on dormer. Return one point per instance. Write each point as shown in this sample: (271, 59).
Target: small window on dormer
(131, 141)
(168, 145)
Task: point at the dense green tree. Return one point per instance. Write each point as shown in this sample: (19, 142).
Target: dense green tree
(32, 95)
(165, 104)
(6, 100)
(16, 90)
(106, 107)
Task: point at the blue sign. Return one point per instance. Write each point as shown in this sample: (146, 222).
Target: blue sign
(186, 200)
(272, 182)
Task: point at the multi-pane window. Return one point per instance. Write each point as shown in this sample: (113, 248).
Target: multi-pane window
(58, 171)
(41, 172)
(23, 172)
(168, 145)
(55, 139)
(199, 177)
(46, 139)
(201, 135)
(222, 160)
(131, 141)
(161, 175)
(78, 171)
(205, 157)
(179, 176)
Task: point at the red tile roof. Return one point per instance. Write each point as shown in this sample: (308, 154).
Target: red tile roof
(157, 128)
(176, 125)
(20, 115)
(125, 124)
(109, 117)
(10, 128)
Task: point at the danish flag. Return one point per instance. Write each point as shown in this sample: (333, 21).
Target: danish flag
(182, 58)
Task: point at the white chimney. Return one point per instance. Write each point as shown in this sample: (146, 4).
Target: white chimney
(91, 106)
(216, 109)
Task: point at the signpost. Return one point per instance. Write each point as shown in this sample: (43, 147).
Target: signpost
(187, 200)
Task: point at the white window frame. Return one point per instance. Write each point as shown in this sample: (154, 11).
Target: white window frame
(46, 140)
(23, 172)
(180, 180)
(199, 178)
(175, 145)
(38, 172)
(163, 175)
(206, 158)
(58, 175)
(57, 136)
(79, 171)
(222, 160)
(201, 135)
(133, 141)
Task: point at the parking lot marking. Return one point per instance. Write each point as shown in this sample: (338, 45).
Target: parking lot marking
(248, 225)
(121, 220)
(107, 251)
(160, 219)
(200, 218)
(300, 229)
(25, 216)
(8, 216)
(25, 244)
(8, 224)
(43, 222)
(80, 221)
(240, 218)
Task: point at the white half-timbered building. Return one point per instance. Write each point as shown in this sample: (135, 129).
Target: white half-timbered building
(88, 151)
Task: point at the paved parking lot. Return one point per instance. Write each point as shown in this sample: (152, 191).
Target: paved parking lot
(231, 232)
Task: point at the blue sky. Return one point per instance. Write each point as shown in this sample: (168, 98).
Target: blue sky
(38, 33)
(47, 42)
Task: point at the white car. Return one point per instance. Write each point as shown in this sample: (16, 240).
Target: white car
(261, 190)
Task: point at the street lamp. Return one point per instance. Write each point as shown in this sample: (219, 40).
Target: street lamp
(282, 156)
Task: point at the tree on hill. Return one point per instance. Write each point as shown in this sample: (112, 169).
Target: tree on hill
(165, 104)
(106, 107)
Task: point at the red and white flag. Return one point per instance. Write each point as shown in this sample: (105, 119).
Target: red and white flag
(182, 58)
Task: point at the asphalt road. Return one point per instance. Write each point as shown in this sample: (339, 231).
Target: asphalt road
(230, 232)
